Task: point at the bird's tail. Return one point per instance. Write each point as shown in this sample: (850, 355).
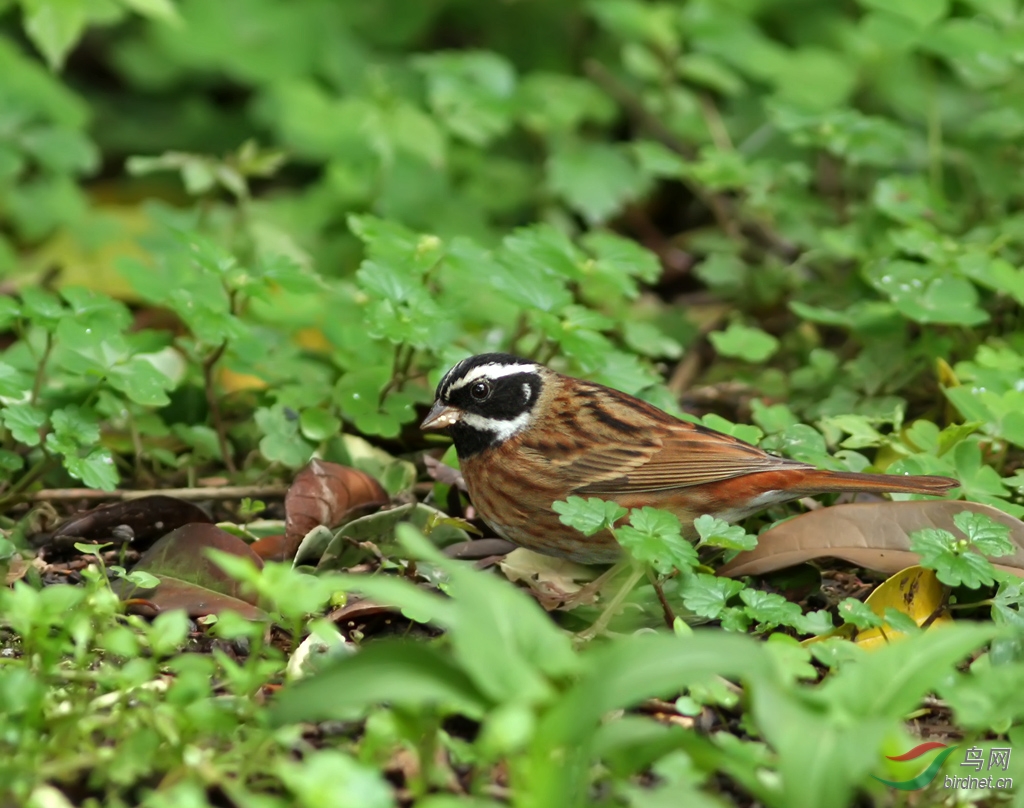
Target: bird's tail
(834, 482)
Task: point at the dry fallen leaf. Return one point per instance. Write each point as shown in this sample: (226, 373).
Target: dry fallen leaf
(18, 567)
(914, 591)
(189, 579)
(325, 493)
(873, 535)
(552, 580)
(148, 517)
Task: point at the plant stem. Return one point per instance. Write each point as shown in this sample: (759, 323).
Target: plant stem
(37, 383)
(214, 405)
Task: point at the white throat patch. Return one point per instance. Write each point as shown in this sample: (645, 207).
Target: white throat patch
(502, 430)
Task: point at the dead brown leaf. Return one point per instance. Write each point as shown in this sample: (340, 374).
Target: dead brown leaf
(149, 518)
(18, 567)
(552, 580)
(327, 494)
(443, 473)
(874, 535)
(274, 548)
(189, 579)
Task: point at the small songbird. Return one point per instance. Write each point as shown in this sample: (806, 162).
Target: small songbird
(527, 436)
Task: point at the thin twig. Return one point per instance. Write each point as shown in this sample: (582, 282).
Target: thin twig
(207, 492)
(214, 405)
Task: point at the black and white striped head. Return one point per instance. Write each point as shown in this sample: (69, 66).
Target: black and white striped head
(485, 400)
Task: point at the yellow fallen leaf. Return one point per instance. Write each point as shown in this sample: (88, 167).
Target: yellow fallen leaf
(914, 591)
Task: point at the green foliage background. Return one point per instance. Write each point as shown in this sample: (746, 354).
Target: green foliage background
(336, 199)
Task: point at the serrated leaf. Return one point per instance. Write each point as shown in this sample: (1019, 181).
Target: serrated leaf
(24, 421)
(859, 614)
(141, 381)
(96, 469)
(707, 595)
(595, 179)
(719, 533)
(588, 515)
(770, 609)
(987, 535)
(13, 383)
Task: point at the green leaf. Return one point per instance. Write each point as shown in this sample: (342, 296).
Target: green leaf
(141, 381)
(654, 536)
(357, 394)
(75, 426)
(162, 10)
(13, 383)
(744, 342)
(281, 441)
(719, 533)
(24, 421)
(471, 92)
(332, 772)
(400, 673)
(318, 424)
(595, 179)
(816, 623)
(924, 295)
(588, 515)
(858, 613)
(986, 534)
(707, 595)
(921, 12)
(96, 469)
(954, 563)
(770, 609)
(1008, 603)
(55, 26)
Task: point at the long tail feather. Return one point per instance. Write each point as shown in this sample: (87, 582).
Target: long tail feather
(829, 482)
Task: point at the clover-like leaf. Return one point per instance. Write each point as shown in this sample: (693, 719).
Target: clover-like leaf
(770, 609)
(707, 595)
(588, 515)
(719, 533)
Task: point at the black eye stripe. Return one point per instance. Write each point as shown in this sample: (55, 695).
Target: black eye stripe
(507, 397)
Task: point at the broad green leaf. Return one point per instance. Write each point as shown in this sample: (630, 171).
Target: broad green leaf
(707, 595)
(24, 421)
(595, 179)
(588, 515)
(281, 440)
(55, 26)
(401, 673)
(744, 342)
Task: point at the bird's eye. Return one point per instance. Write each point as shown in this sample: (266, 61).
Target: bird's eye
(480, 391)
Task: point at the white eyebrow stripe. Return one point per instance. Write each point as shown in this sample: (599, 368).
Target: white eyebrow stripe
(492, 370)
(502, 430)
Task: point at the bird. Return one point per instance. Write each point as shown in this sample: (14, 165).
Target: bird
(527, 436)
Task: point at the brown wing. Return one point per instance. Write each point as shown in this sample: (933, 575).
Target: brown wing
(612, 444)
(691, 455)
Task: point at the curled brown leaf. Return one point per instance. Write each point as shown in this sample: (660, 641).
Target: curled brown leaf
(874, 535)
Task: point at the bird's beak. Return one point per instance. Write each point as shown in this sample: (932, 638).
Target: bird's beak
(441, 416)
